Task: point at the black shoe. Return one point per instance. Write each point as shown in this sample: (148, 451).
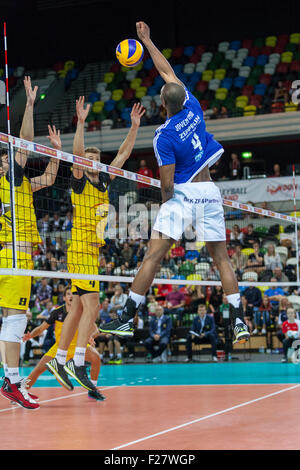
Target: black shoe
(241, 333)
(129, 310)
(79, 373)
(60, 374)
(117, 327)
(96, 395)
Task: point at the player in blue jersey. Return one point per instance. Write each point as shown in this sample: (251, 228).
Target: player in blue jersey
(185, 151)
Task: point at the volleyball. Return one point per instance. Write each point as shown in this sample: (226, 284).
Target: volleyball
(129, 52)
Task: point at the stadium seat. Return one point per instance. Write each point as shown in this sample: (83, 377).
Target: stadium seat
(167, 53)
(286, 57)
(214, 84)
(207, 75)
(230, 54)
(239, 82)
(290, 107)
(271, 41)
(221, 93)
(262, 60)
(260, 89)
(244, 71)
(223, 46)
(206, 57)
(247, 251)
(235, 45)
(220, 74)
(294, 300)
(282, 251)
(295, 38)
(107, 123)
(237, 63)
(274, 58)
(101, 86)
(200, 67)
(249, 110)
(242, 53)
(250, 275)
(202, 269)
(265, 79)
(188, 51)
(108, 77)
(177, 52)
(249, 61)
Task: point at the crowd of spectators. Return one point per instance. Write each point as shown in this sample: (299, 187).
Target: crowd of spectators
(254, 257)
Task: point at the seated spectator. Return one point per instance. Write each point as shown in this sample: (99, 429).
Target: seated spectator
(153, 114)
(250, 237)
(104, 312)
(44, 293)
(127, 253)
(216, 297)
(213, 273)
(46, 312)
(56, 223)
(215, 113)
(43, 225)
(219, 171)
(174, 303)
(67, 224)
(225, 323)
(236, 235)
(119, 123)
(186, 268)
(151, 305)
(169, 263)
(253, 296)
(271, 258)
(223, 114)
(203, 331)
(248, 313)
(177, 252)
(276, 171)
(256, 260)
(291, 331)
(275, 294)
(144, 189)
(162, 291)
(238, 260)
(160, 332)
(280, 277)
(262, 316)
(235, 167)
(119, 299)
(281, 93)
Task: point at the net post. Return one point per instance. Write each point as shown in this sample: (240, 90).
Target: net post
(296, 225)
(11, 161)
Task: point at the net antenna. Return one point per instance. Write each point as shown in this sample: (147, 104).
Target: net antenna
(296, 224)
(11, 159)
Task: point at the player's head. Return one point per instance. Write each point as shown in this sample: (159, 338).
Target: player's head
(92, 153)
(172, 98)
(4, 166)
(68, 296)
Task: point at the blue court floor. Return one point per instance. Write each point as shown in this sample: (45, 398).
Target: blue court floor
(188, 374)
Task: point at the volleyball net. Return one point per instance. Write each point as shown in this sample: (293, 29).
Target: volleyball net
(66, 228)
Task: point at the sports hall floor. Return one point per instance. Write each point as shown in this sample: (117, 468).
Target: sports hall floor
(238, 405)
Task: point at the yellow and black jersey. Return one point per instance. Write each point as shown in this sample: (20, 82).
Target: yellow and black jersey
(25, 218)
(90, 209)
(56, 318)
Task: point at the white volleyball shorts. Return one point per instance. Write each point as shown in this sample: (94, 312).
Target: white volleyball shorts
(194, 204)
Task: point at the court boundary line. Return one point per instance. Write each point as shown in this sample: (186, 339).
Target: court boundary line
(13, 408)
(212, 415)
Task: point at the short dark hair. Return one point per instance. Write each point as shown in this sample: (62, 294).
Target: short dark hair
(174, 96)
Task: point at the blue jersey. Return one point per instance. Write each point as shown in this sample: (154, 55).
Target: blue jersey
(183, 140)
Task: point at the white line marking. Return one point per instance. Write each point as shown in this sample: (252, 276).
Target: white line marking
(205, 417)
(71, 395)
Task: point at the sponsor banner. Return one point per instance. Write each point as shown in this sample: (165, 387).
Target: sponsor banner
(260, 190)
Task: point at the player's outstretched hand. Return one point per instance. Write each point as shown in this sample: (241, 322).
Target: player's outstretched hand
(54, 137)
(82, 112)
(136, 114)
(30, 92)
(143, 31)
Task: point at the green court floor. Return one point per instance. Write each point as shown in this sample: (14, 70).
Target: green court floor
(188, 374)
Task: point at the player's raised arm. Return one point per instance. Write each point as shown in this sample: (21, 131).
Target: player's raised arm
(126, 147)
(78, 144)
(27, 128)
(162, 65)
(50, 173)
